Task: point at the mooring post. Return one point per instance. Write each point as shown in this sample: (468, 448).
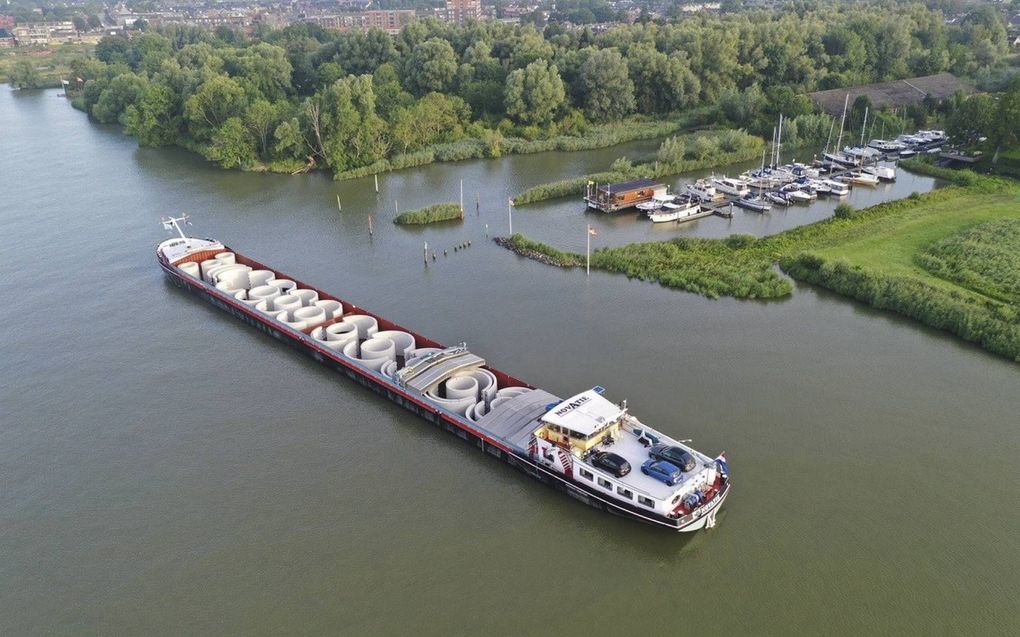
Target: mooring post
(376, 183)
(338, 206)
(370, 230)
(425, 254)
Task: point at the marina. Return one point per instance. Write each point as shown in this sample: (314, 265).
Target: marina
(780, 185)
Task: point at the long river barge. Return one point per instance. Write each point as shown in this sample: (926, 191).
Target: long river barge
(593, 449)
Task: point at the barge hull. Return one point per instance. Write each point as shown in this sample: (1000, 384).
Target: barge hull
(435, 415)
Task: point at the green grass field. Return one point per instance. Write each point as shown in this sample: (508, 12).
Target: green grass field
(894, 244)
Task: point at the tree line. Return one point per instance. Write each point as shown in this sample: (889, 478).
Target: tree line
(346, 100)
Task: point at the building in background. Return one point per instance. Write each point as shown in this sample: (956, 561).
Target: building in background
(391, 21)
(461, 11)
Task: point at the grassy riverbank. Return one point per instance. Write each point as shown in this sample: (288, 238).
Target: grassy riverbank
(495, 145)
(946, 258)
(49, 65)
(679, 154)
(431, 214)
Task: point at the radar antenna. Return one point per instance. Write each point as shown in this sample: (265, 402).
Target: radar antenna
(174, 223)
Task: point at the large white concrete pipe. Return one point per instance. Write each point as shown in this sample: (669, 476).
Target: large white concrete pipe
(226, 286)
(263, 306)
(227, 258)
(310, 315)
(459, 405)
(389, 369)
(381, 349)
(260, 277)
(332, 309)
(510, 392)
(266, 292)
(307, 296)
(486, 382)
(191, 269)
(284, 285)
(378, 355)
(241, 295)
(367, 325)
(206, 265)
(337, 336)
(403, 341)
(288, 303)
(296, 325)
(481, 408)
(462, 387)
(236, 274)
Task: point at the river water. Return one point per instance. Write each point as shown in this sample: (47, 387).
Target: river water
(165, 469)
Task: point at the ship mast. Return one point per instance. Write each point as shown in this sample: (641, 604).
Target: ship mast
(173, 223)
(839, 140)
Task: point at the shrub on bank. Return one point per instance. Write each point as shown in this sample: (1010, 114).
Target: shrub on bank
(992, 325)
(431, 214)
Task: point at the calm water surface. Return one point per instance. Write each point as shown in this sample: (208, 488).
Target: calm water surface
(164, 469)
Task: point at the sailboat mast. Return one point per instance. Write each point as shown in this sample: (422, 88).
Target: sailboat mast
(829, 138)
(864, 124)
(772, 157)
(779, 139)
(842, 120)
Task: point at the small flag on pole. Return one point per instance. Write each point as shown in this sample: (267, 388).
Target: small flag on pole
(592, 231)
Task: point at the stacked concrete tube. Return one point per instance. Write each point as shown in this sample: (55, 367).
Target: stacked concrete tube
(284, 285)
(403, 341)
(287, 303)
(422, 351)
(459, 405)
(389, 369)
(336, 336)
(462, 387)
(332, 309)
(264, 292)
(307, 297)
(367, 326)
(263, 305)
(191, 269)
(226, 258)
(206, 265)
(310, 315)
(486, 382)
(260, 277)
(374, 352)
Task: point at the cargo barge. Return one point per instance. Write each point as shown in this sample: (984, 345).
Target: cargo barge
(594, 450)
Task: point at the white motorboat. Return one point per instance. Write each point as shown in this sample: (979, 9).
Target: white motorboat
(683, 208)
(655, 203)
(837, 188)
(863, 179)
(731, 186)
(884, 173)
(754, 203)
(703, 190)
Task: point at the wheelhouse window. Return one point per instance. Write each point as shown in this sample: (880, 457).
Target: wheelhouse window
(587, 475)
(625, 493)
(605, 484)
(648, 502)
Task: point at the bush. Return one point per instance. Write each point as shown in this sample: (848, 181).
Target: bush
(845, 211)
(736, 241)
(431, 214)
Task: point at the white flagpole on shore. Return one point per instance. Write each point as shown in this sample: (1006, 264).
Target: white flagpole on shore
(588, 252)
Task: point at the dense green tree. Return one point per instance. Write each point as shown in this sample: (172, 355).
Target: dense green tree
(231, 145)
(431, 67)
(155, 120)
(25, 75)
(288, 140)
(218, 99)
(609, 91)
(123, 91)
(535, 93)
(264, 70)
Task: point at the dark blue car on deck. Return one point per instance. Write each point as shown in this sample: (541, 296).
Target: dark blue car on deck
(662, 471)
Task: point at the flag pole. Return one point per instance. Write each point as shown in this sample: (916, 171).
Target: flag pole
(587, 252)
